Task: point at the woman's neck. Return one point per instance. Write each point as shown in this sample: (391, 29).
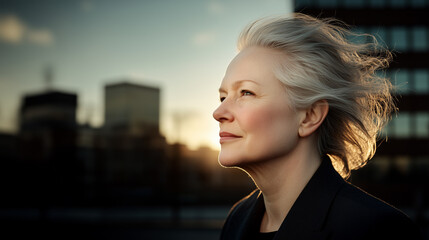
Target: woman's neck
(281, 181)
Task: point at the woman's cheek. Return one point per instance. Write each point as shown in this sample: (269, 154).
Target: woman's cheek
(256, 119)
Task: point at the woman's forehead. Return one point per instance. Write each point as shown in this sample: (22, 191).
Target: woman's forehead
(253, 63)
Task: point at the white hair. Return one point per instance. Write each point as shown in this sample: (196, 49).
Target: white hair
(321, 63)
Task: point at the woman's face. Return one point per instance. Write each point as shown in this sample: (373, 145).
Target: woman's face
(256, 120)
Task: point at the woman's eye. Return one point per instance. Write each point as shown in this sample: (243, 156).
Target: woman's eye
(222, 99)
(246, 93)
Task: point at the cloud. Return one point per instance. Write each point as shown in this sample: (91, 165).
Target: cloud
(14, 31)
(40, 37)
(204, 38)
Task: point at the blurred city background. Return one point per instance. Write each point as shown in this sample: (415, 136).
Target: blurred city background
(105, 113)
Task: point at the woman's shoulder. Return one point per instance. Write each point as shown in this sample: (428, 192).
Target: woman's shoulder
(355, 200)
(354, 210)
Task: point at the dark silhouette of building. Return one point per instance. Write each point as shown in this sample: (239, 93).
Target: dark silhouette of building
(204, 181)
(54, 166)
(133, 164)
(48, 121)
(47, 169)
(137, 161)
(399, 172)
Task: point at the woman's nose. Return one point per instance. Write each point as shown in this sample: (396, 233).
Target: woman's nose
(222, 113)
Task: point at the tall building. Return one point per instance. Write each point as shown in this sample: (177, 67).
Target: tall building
(133, 150)
(132, 108)
(48, 171)
(48, 124)
(400, 169)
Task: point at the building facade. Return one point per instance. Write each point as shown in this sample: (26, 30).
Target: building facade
(47, 171)
(400, 169)
(132, 108)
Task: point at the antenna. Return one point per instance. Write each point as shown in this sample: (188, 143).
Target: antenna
(48, 77)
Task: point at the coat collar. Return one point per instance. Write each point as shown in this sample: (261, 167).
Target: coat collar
(306, 218)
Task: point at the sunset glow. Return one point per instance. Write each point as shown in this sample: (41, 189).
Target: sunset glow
(183, 49)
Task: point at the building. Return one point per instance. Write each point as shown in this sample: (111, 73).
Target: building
(400, 169)
(132, 108)
(199, 179)
(47, 124)
(133, 165)
(48, 171)
(48, 109)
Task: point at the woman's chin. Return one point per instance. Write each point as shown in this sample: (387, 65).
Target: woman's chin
(232, 162)
(227, 161)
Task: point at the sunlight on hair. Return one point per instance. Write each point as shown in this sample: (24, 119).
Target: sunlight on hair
(321, 62)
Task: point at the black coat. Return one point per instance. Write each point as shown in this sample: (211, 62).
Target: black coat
(327, 208)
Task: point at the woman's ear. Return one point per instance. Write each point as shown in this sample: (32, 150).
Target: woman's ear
(314, 117)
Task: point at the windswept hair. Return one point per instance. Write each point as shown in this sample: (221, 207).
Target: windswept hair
(322, 62)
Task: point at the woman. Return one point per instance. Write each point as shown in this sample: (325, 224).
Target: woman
(301, 106)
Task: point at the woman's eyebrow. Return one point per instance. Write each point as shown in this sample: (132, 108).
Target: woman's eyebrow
(238, 83)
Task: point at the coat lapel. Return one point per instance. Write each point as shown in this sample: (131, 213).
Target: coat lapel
(252, 223)
(307, 216)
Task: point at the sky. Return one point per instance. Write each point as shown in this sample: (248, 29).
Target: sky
(182, 47)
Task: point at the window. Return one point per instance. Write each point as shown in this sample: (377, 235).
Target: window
(303, 3)
(402, 126)
(358, 39)
(328, 3)
(354, 3)
(399, 39)
(400, 79)
(422, 125)
(402, 163)
(419, 3)
(387, 130)
(397, 3)
(420, 39)
(377, 3)
(421, 81)
(380, 34)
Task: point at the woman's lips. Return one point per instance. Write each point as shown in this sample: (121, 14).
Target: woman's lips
(226, 136)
